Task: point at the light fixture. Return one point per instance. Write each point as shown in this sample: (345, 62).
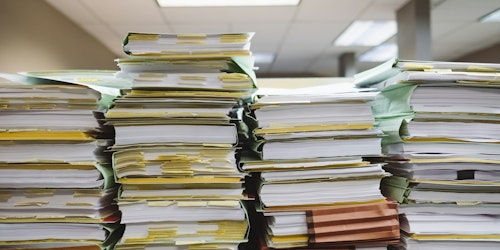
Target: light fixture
(263, 58)
(367, 33)
(225, 3)
(491, 17)
(381, 53)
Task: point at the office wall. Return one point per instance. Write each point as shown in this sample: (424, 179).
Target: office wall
(35, 36)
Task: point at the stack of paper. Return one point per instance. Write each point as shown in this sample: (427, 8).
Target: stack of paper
(315, 189)
(443, 123)
(176, 138)
(56, 184)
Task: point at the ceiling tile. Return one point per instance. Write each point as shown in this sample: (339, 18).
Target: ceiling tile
(440, 29)
(299, 49)
(125, 11)
(228, 14)
(465, 10)
(338, 50)
(317, 33)
(264, 48)
(107, 37)
(269, 35)
(380, 11)
(200, 28)
(300, 37)
(75, 11)
(294, 59)
(469, 38)
(328, 10)
(122, 30)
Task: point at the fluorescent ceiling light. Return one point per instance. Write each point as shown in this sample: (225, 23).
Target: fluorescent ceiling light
(225, 3)
(367, 33)
(491, 17)
(381, 53)
(263, 58)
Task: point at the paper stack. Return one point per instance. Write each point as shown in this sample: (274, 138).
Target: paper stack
(444, 151)
(56, 183)
(176, 138)
(315, 189)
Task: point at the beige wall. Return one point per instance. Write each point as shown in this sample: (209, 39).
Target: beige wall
(34, 36)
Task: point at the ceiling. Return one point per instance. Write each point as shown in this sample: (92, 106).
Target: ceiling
(300, 37)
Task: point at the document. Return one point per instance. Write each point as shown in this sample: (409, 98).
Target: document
(446, 169)
(57, 189)
(325, 192)
(217, 232)
(176, 160)
(196, 45)
(205, 81)
(253, 165)
(319, 148)
(176, 140)
(175, 133)
(307, 126)
(58, 205)
(55, 175)
(75, 236)
(440, 140)
(440, 242)
(376, 76)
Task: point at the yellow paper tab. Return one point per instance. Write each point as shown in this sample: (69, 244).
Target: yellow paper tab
(143, 37)
(4, 196)
(79, 204)
(189, 242)
(285, 128)
(470, 203)
(35, 193)
(416, 66)
(44, 135)
(48, 166)
(179, 180)
(442, 160)
(480, 69)
(31, 204)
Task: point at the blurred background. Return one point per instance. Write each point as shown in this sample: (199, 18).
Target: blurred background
(302, 38)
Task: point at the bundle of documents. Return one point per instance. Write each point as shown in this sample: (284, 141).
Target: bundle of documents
(443, 148)
(57, 188)
(176, 140)
(310, 126)
(188, 45)
(314, 189)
